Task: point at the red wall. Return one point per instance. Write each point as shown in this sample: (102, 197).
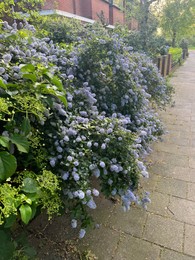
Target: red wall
(83, 8)
(89, 9)
(63, 5)
(97, 7)
(116, 15)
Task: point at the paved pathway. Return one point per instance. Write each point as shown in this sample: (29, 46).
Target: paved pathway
(166, 231)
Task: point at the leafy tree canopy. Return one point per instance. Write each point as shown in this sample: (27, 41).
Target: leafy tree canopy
(12, 8)
(178, 18)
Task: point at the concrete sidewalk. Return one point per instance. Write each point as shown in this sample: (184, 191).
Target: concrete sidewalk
(166, 230)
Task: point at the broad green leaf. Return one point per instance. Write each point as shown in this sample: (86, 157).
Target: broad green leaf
(63, 99)
(28, 68)
(2, 84)
(21, 143)
(34, 209)
(29, 185)
(4, 141)
(57, 82)
(48, 75)
(6, 246)
(32, 77)
(26, 128)
(8, 165)
(26, 213)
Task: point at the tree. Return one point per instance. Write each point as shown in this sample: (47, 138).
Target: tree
(141, 11)
(177, 19)
(11, 9)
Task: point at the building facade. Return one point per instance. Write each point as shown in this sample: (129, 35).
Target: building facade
(110, 11)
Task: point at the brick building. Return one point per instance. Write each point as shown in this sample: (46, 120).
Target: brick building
(111, 11)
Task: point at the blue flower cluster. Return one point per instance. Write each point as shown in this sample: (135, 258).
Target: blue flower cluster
(108, 123)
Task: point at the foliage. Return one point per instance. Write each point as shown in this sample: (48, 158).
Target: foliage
(61, 29)
(177, 19)
(74, 113)
(155, 43)
(176, 54)
(11, 9)
(15, 249)
(147, 20)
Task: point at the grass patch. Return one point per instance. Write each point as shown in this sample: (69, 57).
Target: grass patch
(191, 47)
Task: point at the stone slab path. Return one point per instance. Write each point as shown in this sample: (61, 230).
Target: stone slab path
(166, 231)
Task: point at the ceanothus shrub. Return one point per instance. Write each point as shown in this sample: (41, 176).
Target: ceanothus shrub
(107, 124)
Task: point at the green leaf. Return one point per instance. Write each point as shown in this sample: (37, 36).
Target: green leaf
(63, 99)
(8, 165)
(57, 82)
(28, 68)
(21, 143)
(2, 84)
(26, 213)
(29, 185)
(10, 221)
(6, 246)
(34, 209)
(32, 77)
(26, 128)
(4, 141)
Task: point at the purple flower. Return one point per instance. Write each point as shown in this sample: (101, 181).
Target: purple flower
(52, 162)
(95, 192)
(70, 158)
(7, 58)
(65, 176)
(2, 70)
(91, 204)
(103, 146)
(76, 176)
(71, 77)
(82, 233)
(102, 164)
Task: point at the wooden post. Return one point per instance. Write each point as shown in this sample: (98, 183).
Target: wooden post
(159, 64)
(169, 61)
(164, 65)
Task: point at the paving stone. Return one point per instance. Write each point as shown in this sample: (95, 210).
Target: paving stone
(183, 173)
(172, 148)
(191, 191)
(164, 231)
(177, 160)
(173, 187)
(131, 222)
(192, 162)
(133, 248)
(149, 184)
(192, 175)
(161, 168)
(183, 210)
(104, 208)
(159, 204)
(189, 242)
(172, 255)
(101, 242)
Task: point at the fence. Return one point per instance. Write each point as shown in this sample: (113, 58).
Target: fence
(165, 64)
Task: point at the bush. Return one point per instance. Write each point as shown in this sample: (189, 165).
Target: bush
(75, 114)
(176, 54)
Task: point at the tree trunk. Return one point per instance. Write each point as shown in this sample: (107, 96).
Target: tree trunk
(174, 39)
